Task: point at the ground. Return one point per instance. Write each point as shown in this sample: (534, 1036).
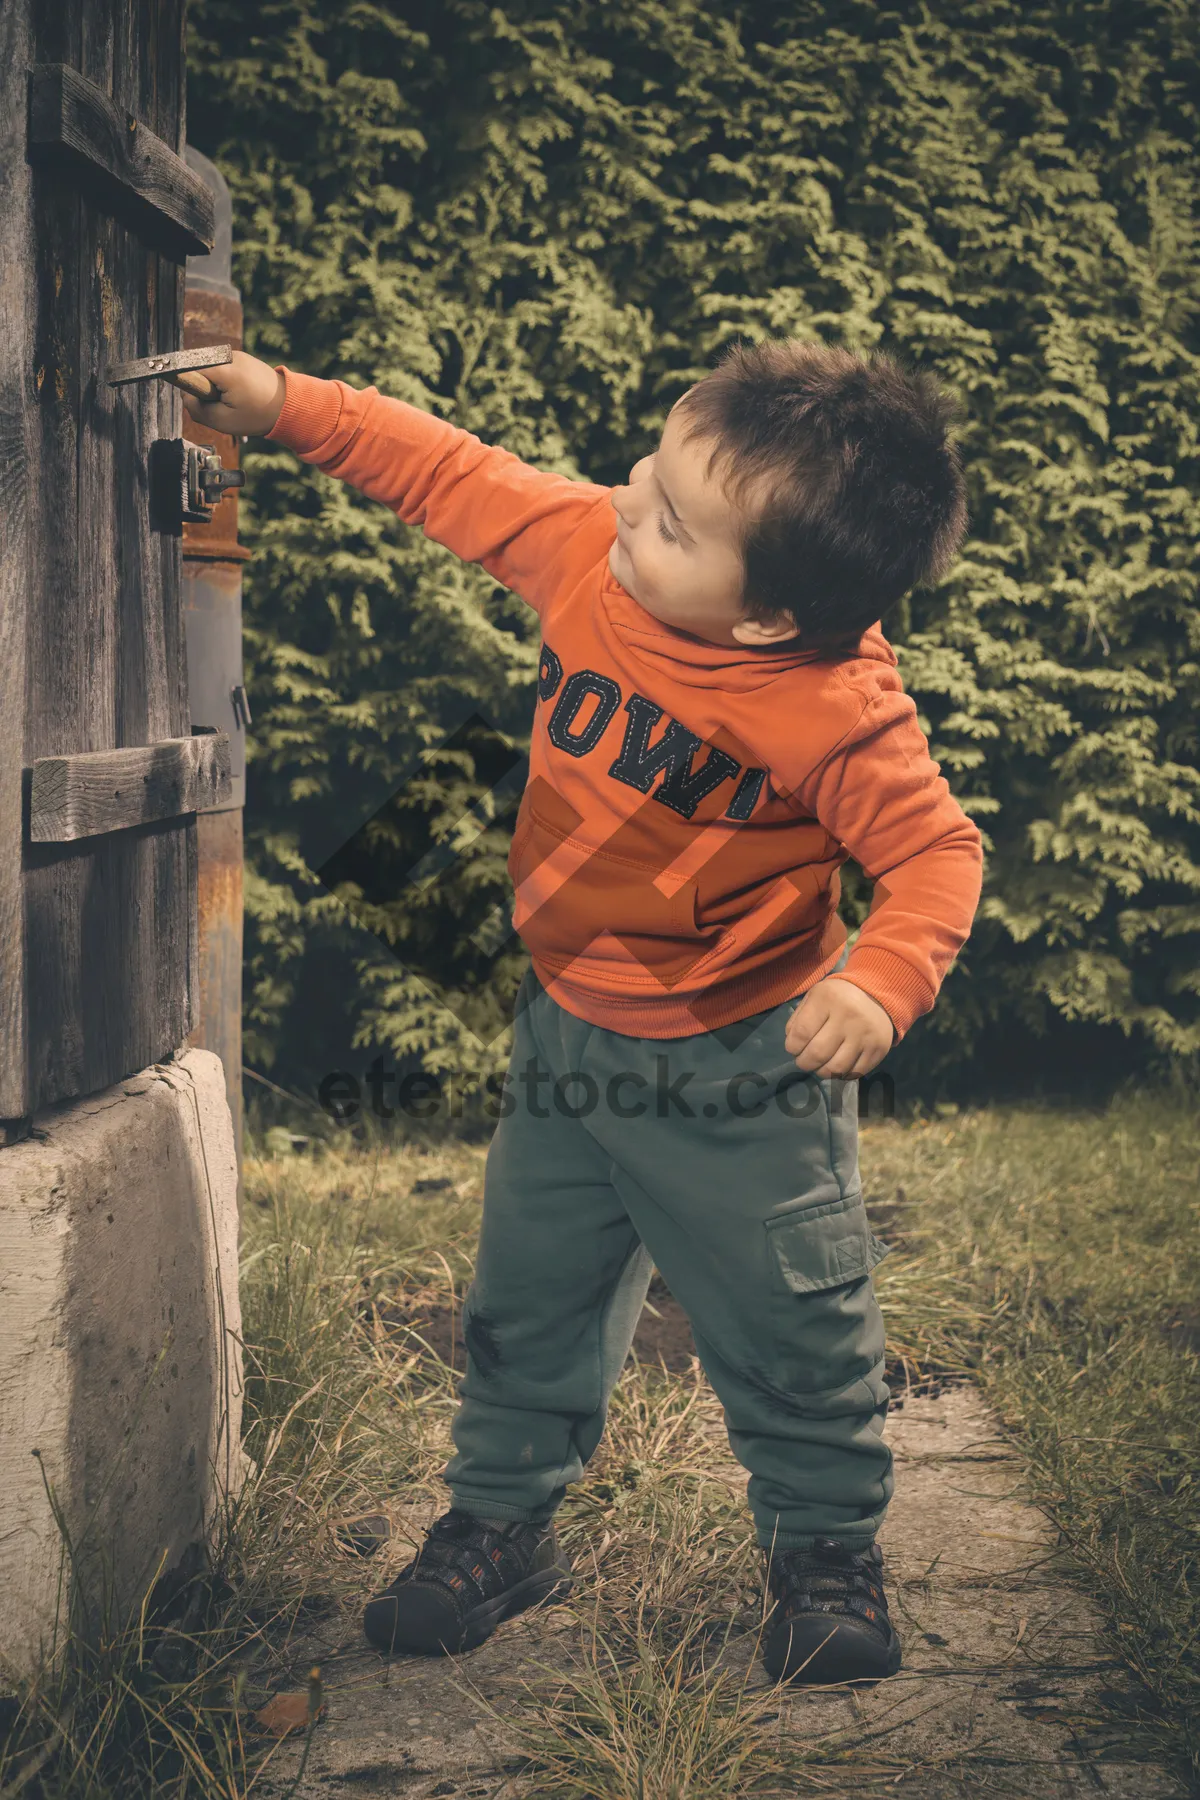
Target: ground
(1038, 1304)
(1003, 1660)
(1042, 1301)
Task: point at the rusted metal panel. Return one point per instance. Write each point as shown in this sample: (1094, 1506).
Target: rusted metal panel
(212, 314)
(219, 847)
(212, 616)
(212, 600)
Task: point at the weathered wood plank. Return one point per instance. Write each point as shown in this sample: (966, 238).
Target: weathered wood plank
(158, 26)
(172, 63)
(125, 165)
(18, 479)
(59, 33)
(72, 797)
(131, 940)
(54, 696)
(135, 1005)
(106, 328)
(96, 60)
(164, 407)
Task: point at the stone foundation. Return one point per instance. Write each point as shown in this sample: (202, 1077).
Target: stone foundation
(120, 1372)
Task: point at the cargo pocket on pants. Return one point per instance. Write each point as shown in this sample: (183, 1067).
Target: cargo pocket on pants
(828, 1328)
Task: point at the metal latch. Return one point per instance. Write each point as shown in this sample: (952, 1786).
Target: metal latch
(206, 482)
(168, 363)
(186, 482)
(241, 705)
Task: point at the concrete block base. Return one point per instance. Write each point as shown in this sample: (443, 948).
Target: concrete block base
(120, 1369)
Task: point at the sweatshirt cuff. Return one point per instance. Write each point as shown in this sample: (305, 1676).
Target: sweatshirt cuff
(311, 410)
(903, 993)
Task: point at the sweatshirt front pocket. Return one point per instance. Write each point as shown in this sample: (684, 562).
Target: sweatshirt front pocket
(576, 899)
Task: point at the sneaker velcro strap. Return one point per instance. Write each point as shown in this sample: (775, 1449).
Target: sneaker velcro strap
(461, 1551)
(830, 1579)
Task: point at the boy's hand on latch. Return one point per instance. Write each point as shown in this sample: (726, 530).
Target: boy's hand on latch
(838, 1030)
(243, 398)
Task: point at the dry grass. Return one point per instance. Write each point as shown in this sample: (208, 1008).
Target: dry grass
(1072, 1241)
(1045, 1255)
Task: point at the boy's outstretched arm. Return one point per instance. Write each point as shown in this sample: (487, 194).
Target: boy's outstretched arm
(483, 503)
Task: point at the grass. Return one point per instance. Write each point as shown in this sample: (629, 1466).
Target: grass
(1050, 1256)
(1076, 1237)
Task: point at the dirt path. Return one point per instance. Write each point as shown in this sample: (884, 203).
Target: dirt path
(1002, 1660)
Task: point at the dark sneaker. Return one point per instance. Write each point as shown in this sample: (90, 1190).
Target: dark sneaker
(466, 1578)
(830, 1621)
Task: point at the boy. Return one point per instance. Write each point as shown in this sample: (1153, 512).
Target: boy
(719, 724)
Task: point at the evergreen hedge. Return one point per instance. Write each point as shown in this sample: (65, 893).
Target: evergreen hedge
(543, 221)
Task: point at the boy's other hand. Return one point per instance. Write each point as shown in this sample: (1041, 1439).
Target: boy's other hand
(838, 1030)
(243, 398)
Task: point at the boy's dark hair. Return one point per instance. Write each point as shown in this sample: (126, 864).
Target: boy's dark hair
(867, 498)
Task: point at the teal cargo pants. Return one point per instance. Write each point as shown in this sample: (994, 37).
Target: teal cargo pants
(715, 1159)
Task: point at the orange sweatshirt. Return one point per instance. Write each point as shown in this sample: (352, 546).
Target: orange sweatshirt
(676, 855)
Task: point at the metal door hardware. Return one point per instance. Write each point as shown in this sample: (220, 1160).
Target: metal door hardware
(171, 362)
(207, 481)
(241, 705)
(186, 483)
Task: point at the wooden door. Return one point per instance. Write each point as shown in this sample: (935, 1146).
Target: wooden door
(97, 213)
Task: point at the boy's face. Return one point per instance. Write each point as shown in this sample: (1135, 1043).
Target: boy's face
(677, 545)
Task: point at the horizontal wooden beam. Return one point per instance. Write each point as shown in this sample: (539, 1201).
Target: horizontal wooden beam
(110, 790)
(74, 124)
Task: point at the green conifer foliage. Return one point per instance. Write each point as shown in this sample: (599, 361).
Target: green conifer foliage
(543, 221)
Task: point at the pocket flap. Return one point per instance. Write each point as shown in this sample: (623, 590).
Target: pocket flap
(825, 1246)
